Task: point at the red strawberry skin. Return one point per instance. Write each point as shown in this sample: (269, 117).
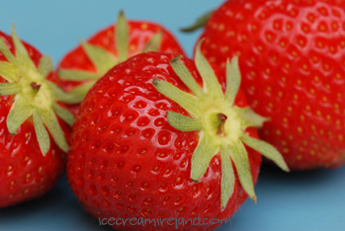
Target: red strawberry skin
(127, 161)
(292, 61)
(25, 174)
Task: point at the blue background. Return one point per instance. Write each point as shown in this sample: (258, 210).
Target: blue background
(299, 201)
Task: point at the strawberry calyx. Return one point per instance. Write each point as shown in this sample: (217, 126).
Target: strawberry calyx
(104, 60)
(33, 94)
(222, 124)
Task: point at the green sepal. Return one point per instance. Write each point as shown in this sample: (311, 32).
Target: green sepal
(64, 114)
(8, 71)
(182, 71)
(9, 88)
(41, 132)
(22, 54)
(240, 158)
(154, 43)
(185, 100)
(211, 83)
(249, 118)
(101, 58)
(20, 111)
(233, 80)
(61, 95)
(121, 36)
(228, 176)
(45, 66)
(183, 123)
(6, 51)
(199, 23)
(75, 75)
(202, 156)
(55, 130)
(78, 93)
(266, 150)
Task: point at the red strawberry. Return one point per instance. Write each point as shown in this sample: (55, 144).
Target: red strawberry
(158, 136)
(31, 159)
(85, 64)
(292, 59)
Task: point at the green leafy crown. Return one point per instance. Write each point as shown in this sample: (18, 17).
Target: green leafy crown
(104, 60)
(34, 95)
(222, 124)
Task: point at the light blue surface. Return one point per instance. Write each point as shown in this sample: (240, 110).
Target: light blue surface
(298, 201)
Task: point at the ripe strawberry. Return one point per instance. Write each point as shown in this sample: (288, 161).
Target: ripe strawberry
(292, 59)
(85, 64)
(31, 159)
(159, 136)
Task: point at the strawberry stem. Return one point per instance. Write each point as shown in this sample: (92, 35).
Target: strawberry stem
(222, 118)
(35, 86)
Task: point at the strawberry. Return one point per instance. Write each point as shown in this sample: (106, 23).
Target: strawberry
(292, 59)
(31, 158)
(161, 136)
(85, 64)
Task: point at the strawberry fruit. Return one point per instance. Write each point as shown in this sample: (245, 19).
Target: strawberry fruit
(291, 56)
(161, 135)
(33, 126)
(85, 64)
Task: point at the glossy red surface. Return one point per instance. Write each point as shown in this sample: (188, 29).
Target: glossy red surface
(127, 161)
(292, 60)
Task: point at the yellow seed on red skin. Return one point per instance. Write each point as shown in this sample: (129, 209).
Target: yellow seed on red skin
(144, 26)
(132, 47)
